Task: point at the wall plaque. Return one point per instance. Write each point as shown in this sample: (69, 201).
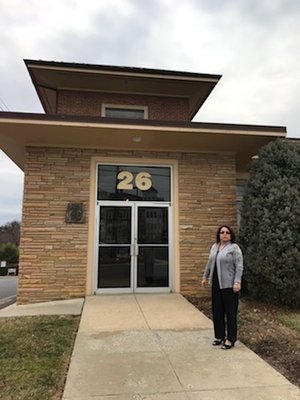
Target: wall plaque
(75, 213)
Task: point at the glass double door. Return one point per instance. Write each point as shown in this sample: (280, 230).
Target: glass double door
(133, 247)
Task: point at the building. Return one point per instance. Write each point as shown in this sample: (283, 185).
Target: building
(122, 192)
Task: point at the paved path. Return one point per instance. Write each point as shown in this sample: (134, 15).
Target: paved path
(159, 347)
(61, 307)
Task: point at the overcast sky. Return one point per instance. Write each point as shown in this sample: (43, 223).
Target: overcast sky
(253, 44)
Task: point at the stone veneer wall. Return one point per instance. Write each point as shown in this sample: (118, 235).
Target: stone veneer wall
(53, 254)
(207, 199)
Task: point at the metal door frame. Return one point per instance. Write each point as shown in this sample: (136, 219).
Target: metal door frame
(133, 246)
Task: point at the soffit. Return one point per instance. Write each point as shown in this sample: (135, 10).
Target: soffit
(16, 134)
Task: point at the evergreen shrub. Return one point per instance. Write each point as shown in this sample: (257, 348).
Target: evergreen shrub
(270, 224)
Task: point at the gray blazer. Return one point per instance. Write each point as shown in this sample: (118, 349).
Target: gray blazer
(229, 265)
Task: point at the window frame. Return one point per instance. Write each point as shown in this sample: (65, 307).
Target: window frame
(105, 106)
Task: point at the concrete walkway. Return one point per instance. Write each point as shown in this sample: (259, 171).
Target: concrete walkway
(61, 307)
(158, 346)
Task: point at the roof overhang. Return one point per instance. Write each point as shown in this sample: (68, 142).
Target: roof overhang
(49, 77)
(18, 130)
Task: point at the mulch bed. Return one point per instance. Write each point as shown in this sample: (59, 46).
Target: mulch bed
(261, 331)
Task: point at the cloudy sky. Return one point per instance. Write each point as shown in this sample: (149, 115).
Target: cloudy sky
(253, 44)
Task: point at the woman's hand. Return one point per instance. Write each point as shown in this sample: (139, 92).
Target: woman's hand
(204, 282)
(236, 287)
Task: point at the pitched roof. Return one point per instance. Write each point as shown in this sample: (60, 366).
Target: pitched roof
(50, 76)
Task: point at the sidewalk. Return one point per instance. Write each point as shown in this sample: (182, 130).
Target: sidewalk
(61, 307)
(158, 346)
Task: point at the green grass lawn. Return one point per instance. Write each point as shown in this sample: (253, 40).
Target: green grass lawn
(291, 320)
(34, 356)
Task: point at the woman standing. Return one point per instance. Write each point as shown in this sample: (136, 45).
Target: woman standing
(224, 270)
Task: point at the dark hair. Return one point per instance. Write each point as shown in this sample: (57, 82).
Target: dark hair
(232, 234)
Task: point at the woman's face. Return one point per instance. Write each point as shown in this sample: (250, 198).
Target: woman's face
(225, 235)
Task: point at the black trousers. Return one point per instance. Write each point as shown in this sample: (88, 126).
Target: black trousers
(224, 304)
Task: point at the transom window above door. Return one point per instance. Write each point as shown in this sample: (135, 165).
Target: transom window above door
(119, 111)
(134, 183)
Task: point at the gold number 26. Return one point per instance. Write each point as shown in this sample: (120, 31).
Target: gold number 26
(142, 180)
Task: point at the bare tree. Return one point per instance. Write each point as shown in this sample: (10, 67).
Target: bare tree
(10, 233)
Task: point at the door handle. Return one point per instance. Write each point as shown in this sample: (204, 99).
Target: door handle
(132, 250)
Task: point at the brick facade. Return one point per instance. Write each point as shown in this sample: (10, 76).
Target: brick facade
(89, 104)
(53, 254)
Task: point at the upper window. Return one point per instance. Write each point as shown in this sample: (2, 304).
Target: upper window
(129, 112)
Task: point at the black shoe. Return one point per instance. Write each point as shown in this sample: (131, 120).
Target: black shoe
(227, 346)
(218, 342)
